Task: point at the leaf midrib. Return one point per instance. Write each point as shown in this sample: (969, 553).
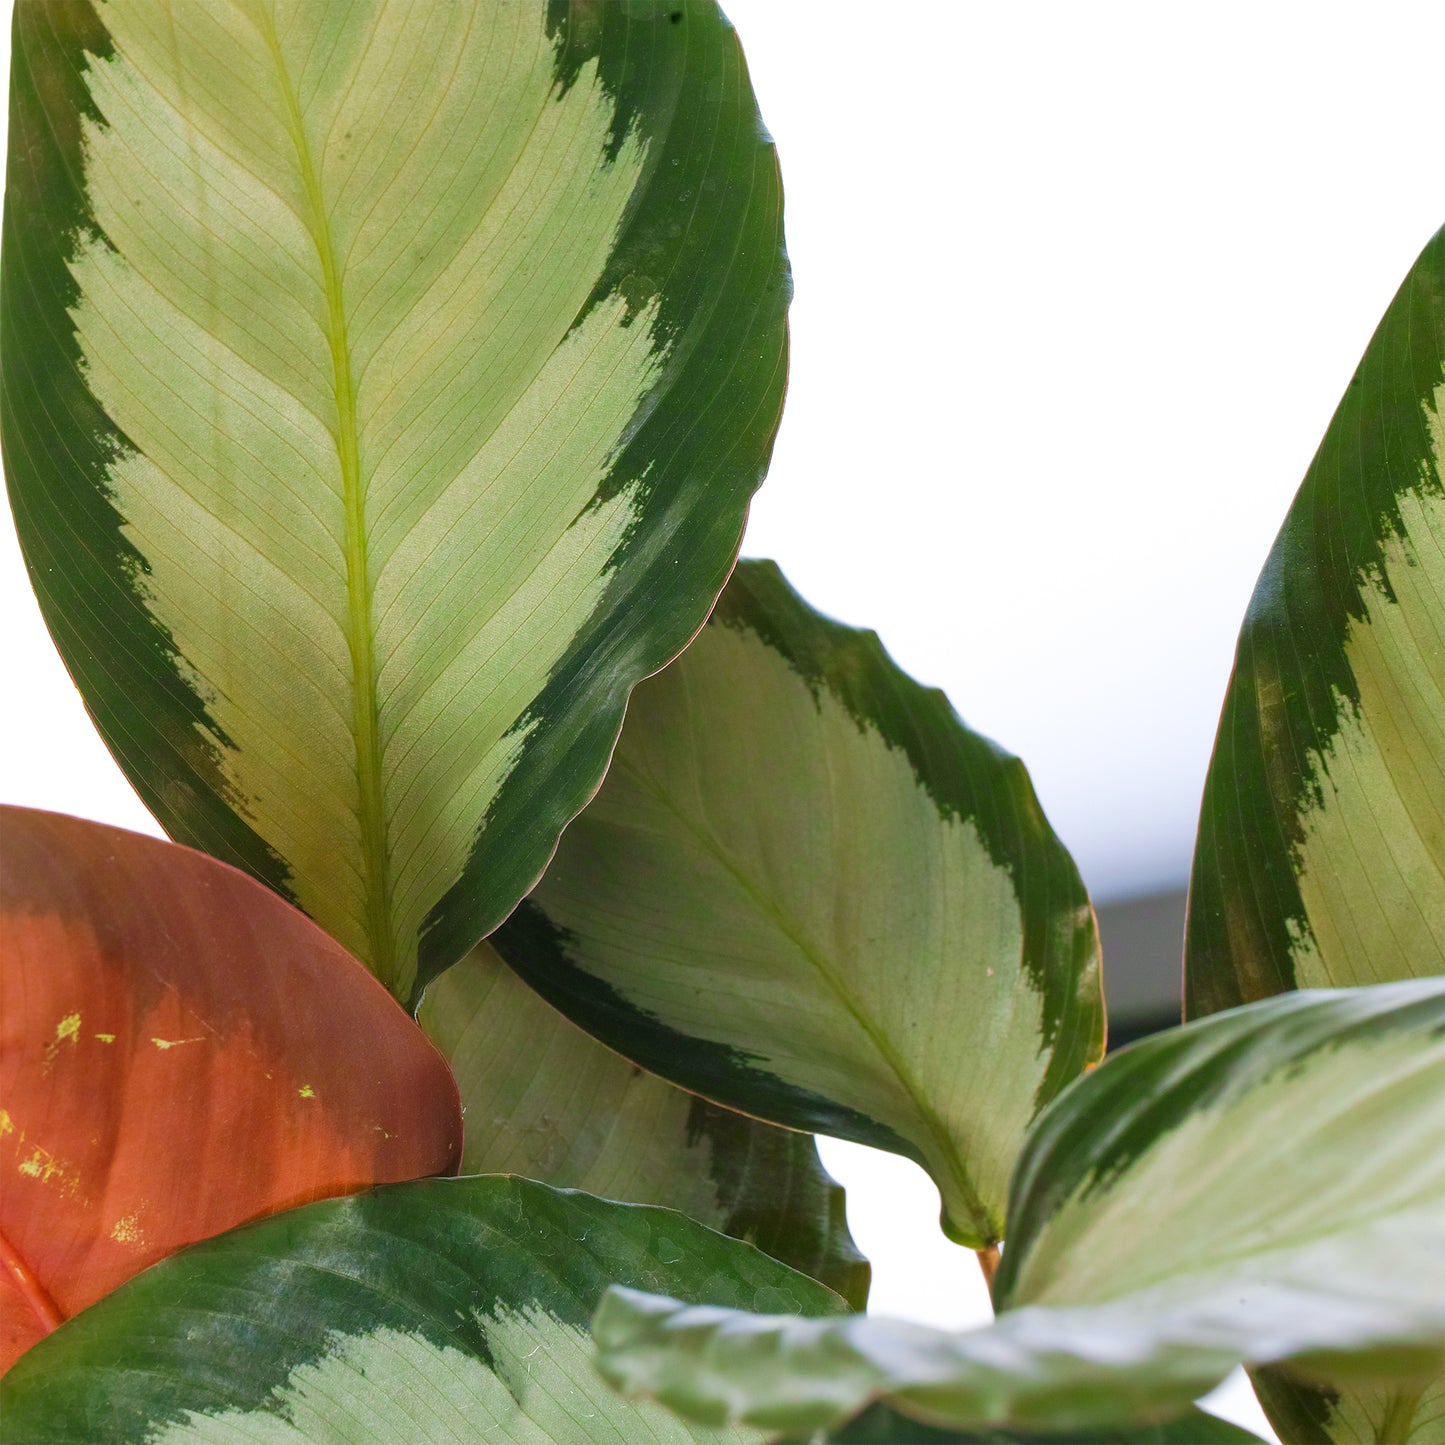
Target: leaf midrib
(797, 935)
(46, 1312)
(360, 632)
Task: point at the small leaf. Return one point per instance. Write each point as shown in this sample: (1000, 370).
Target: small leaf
(177, 1056)
(383, 390)
(806, 890)
(1321, 855)
(545, 1100)
(1156, 1240)
(443, 1311)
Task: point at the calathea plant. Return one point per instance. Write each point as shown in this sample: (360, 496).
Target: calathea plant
(384, 385)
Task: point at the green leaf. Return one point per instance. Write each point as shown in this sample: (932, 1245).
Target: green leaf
(445, 1311)
(544, 1100)
(1321, 855)
(175, 1059)
(806, 890)
(883, 1425)
(1324, 1411)
(1264, 1185)
(383, 391)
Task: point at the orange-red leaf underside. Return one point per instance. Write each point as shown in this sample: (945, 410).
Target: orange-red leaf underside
(180, 1051)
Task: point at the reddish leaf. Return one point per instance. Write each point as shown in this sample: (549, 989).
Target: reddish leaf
(180, 1051)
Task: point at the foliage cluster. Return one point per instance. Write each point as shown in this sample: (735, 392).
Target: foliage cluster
(384, 387)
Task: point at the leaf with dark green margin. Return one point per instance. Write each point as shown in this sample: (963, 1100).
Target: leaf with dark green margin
(545, 1100)
(1321, 853)
(1264, 1185)
(806, 890)
(383, 391)
(882, 1425)
(445, 1311)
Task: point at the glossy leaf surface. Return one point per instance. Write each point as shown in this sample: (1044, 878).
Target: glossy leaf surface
(384, 386)
(179, 1053)
(1321, 857)
(545, 1100)
(808, 891)
(444, 1311)
(1155, 1240)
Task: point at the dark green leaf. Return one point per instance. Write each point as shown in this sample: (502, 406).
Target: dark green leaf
(445, 1311)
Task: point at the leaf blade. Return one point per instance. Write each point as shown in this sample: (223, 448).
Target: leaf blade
(440, 1311)
(1321, 852)
(166, 1023)
(1082, 1342)
(433, 346)
(807, 891)
(546, 1101)
(1319, 859)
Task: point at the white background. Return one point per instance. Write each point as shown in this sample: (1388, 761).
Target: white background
(1078, 287)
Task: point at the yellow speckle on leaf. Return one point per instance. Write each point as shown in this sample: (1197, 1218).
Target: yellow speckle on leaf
(306, 1091)
(127, 1230)
(66, 1031)
(41, 1164)
(6, 1124)
(164, 1044)
(106, 1038)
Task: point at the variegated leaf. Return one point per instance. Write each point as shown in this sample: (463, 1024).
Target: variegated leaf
(384, 386)
(545, 1100)
(441, 1313)
(1260, 1186)
(1321, 856)
(806, 890)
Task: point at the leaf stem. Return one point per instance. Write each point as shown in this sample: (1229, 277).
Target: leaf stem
(988, 1258)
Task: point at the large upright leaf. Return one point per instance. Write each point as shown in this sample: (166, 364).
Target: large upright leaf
(439, 1313)
(545, 1100)
(384, 386)
(1321, 856)
(180, 1051)
(808, 891)
(1263, 1185)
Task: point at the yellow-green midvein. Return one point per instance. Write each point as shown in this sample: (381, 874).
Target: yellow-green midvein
(365, 720)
